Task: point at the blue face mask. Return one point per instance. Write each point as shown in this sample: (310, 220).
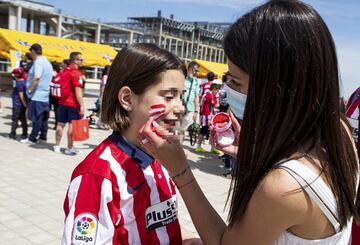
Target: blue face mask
(236, 101)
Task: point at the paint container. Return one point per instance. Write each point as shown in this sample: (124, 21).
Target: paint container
(221, 123)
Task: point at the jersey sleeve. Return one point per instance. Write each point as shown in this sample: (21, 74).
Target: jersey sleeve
(87, 214)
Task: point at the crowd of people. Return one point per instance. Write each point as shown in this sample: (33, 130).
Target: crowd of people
(34, 95)
(33, 98)
(202, 99)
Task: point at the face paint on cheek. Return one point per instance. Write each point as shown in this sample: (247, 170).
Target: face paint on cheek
(157, 111)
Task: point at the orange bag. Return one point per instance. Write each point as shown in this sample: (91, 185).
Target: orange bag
(80, 129)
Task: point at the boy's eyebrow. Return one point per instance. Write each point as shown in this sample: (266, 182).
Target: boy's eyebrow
(170, 90)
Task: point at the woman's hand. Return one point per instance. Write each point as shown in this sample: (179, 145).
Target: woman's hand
(231, 149)
(164, 146)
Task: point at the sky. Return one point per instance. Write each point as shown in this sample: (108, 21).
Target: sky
(342, 18)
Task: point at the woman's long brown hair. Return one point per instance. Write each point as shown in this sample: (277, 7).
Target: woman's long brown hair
(293, 101)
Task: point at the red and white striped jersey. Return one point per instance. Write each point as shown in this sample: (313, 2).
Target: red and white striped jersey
(120, 195)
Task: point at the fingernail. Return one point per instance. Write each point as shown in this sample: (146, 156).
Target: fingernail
(155, 124)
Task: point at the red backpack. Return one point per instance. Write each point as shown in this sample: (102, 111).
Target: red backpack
(60, 85)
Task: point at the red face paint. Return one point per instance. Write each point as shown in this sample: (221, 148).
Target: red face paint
(221, 122)
(157, 111)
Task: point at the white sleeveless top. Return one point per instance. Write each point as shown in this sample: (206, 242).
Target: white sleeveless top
(322, 195)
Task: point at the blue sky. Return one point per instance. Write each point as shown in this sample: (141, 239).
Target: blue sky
(342, 17)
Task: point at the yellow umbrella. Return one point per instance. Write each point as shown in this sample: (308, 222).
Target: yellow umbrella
(54, 48)
(207, 66)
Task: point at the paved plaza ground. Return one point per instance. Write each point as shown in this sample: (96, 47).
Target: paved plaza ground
(34, 180)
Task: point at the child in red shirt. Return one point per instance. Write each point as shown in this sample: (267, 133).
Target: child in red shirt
(208, 104)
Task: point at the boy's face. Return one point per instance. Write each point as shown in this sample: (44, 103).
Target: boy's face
(215, 91)
(168, 91)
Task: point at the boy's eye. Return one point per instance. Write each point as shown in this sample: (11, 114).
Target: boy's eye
(169, 97)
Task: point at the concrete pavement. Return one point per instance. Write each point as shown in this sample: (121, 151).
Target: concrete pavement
(34, 180)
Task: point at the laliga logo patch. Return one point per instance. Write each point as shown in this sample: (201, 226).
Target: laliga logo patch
(85, 228)
(161, 214)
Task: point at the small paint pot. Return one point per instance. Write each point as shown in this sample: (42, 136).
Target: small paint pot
(221, 123)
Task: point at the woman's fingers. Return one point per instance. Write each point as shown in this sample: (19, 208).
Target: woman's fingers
(230, 150)
(235, 123)
(154, 134)
(213, 139)
(147, 134)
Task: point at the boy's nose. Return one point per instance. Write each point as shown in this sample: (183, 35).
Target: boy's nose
(179, 109)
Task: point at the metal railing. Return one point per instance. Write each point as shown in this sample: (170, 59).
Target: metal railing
(5, 66)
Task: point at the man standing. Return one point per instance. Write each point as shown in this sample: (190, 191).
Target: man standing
(38, 89)
(71, 107)
(190, 98)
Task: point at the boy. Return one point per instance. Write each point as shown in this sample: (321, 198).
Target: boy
(19, 103)
(120, 194)
(208, 103)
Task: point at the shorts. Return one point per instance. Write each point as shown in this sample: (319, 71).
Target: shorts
(67, 113)
(185, 122)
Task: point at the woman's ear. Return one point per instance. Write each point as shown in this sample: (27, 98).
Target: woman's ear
(126, 98)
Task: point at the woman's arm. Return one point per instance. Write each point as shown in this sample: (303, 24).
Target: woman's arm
(208, 223)
(273, 208)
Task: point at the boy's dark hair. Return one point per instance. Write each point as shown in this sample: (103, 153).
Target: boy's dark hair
(210, 76)
(193, 64)
(138, 66)
(224, 78)
(36, 48)
(215, 86)
(66, 62)
(56, 66)
(28, 56)
(73, 56)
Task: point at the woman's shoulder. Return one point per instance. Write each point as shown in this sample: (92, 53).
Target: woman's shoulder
(277, 204)
(279, 183)
(282, 196)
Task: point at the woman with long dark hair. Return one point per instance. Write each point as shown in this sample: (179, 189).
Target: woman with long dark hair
(296, 170)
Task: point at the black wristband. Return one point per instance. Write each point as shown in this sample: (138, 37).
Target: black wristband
(181, 173)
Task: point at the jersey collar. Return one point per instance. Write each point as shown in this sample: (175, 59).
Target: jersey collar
(138, 155)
